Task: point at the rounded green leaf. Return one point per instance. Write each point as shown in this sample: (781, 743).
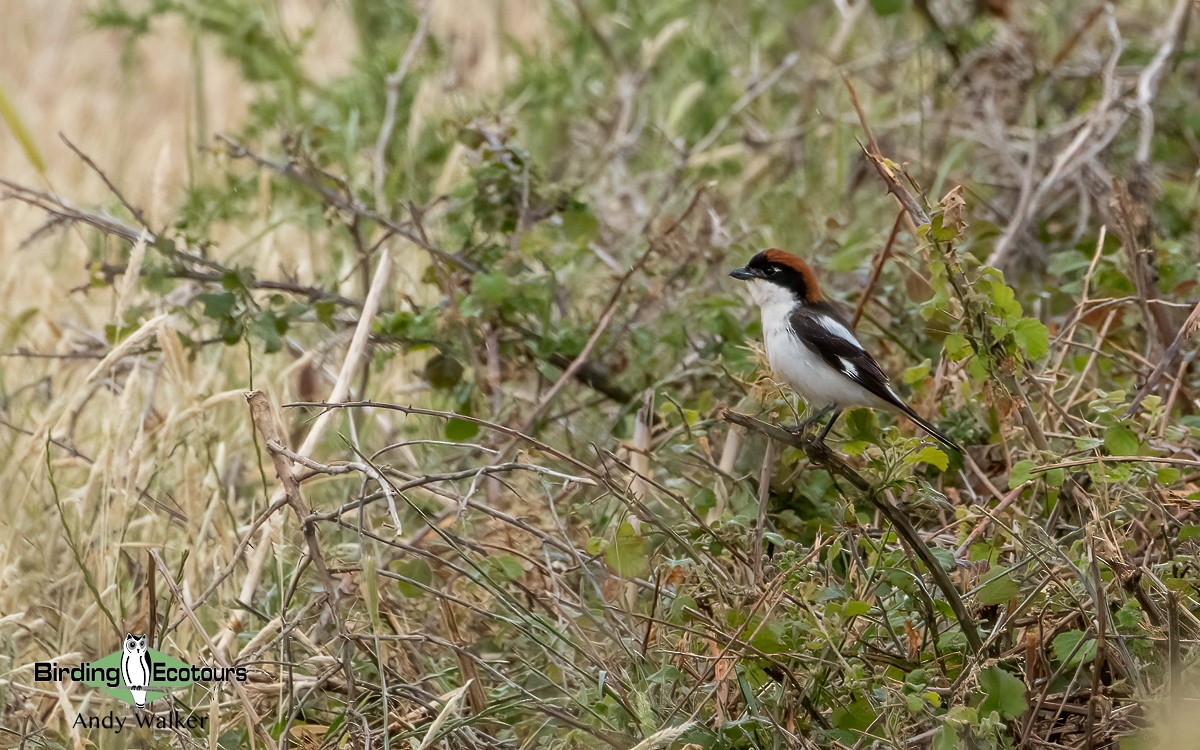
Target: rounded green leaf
(491, 287)
(1005, 693)
(1022, 472)
(999, 588)
(443, 372)
(627, 553)
(930, 455)
(1033, 338)
(1072, 648)
(1121, 441)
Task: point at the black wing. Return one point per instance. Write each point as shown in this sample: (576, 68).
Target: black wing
(828, 334)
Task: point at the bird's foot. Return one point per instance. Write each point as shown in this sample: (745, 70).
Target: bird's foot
(801, 427)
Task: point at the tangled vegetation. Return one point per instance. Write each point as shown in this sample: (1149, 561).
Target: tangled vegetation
(429, 399)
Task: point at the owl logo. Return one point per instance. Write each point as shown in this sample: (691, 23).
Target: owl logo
(135, 667)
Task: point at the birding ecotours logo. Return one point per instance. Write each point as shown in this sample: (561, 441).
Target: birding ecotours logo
(137, 674)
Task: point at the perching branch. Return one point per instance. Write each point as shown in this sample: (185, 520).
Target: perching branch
(819, 454)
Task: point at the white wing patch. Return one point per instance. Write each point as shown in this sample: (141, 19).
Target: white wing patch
(837, 329)
(849, 368)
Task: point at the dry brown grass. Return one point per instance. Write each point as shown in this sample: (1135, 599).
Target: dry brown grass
(87, 436)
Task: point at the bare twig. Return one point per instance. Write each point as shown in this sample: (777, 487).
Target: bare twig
(1117, 460)
(268, 427)
(393, 82)
(391, 492)
(877, 270)
(1169, 356)
(132, 209)
(362, 467)
(764, 497)
(110, 225)
(754, 91)
(606, 318)
(502, 429)
(983, 524)
(1151, 76)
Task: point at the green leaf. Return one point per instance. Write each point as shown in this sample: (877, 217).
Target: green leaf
(888, 7)
(1022, 472)
(958, 347)
(507, 567)
(861, 424)
(579, 223)
(1033, 338)
(218, 304)
(325, 311)
(918, 373)
(1191, 531)
(768, 637)
(944, 557)
(265, 325)
(1121, 441)
(627, 553)
(999, 588)
(1005, 693)
(856, 609)
(417, 570)
(443, 372)
(237, 279)
(946, 738)
(859, 715)
(459, 430)
(231, 331)
(1065, 645)
(1167, 475)
(914, 703)
(1004, 298)
(491, 287)
(596, 545)
(939, 231)
(930, 455)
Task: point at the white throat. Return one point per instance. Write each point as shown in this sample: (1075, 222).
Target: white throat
(774, 301)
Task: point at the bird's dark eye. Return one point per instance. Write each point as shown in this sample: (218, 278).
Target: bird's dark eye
(771, 270)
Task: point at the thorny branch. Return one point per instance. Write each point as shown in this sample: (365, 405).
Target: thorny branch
(344, 200)
(110, 225)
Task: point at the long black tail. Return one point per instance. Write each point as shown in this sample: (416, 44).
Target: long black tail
(928, 427)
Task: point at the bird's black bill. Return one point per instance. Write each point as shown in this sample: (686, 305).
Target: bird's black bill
(745, 274)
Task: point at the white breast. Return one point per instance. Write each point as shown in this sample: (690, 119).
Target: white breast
(800, 367)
